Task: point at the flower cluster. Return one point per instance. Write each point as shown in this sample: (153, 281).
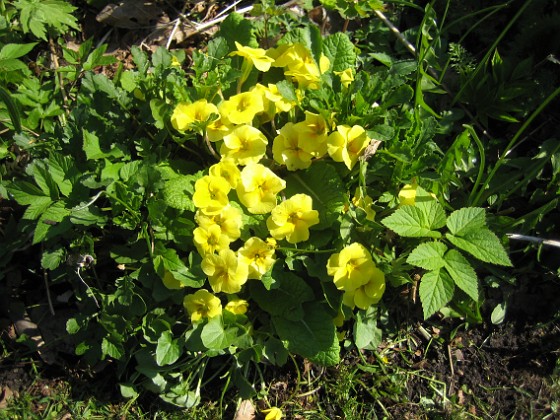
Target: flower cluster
(243, 174)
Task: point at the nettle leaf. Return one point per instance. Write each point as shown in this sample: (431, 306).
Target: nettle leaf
(313, 336)
(323, 184)
(44, 179)
(37, 16)
(436, 290)
(215, 337)
(410, 221)
(178, 192)
(64, 172)
(168, 350)
(93, 151)
(52, 222)
(431, 209)
(466, 220)
(428, 255)
(285, 300)
(482, 244)
(52, 258)
(340, 51)
(462, 273)
(166, 259)
(26, 193)
(15, 50)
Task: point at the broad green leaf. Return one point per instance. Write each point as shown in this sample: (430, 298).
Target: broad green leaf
(499, 313)
(37, 208)
(26, 193)
(52, 258)
(367, 335)
(410, 221)
(178, 192)
(88, 215)
(428, 255)
(236, 28)
(286, 300)
(482, 244)
(431, 209)
(462, 273)
(52, 221)
(275, 351)
(128, 390)
(39, 16)
(15, 50)
(168, 350)
(92, 148)
(217, 48)
(313, 336)
(64, 172)
(340, 51)
(215, 337)
(323, 184)
(167, 259)
(466, 220)
(436, 290)
(44, 179)
(112, 349)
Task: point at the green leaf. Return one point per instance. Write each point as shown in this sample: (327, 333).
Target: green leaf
(482, 244)
(435, 291)
(215, 337)
(178, 192)
(236, 28)
(499, 313)
(38, 16)
(367, 335)
(410, 221)
(112, 349)
(275, 351)
(64, 172)
(92, 148)
(167, 259)
(15, 50)
(168, 350)
(428, 255)
(431, 209)
(466, 220)
(340, 51)
(26, 193)
(286, 299)
(322, 182)
(462, 273)
(218, 48)
(44, 179)
(52, 258)
(313, 336)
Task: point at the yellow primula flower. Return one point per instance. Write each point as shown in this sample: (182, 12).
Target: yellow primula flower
(237, 306)
(364, 203)
(258, 188)
(368, 294)
(209, 240)
(199, 112)
(352, 267)
(171, 282)
(202, 304)
(227, 169)
(292, 219)
(241, 108)
(211, 194)
(346, 144)
(245, 144)
(287, 150)
(313, 134)
(225, 272)
(346, 77)
(256, 56)
(273, 413)
(298, 63)
(407, 194)
(258, 255)
(218, 129)
(273, 101)
(229, 220)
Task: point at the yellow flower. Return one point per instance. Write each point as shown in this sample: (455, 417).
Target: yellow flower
(237, 306)
(229, 220)
(256, 56)
(225, 272)
(209, 240)
(407, 194)
(364, 203)
(287, 150)
(273, 413)
(185, 115)
(292, 219)
(273, 101)
(368, 294)
(258, 255)
(313, 133)
(227, 169)
(346, 77)
(346, 144)
(258, 188)
(171, 282)
(241, 108)
(245, 144)
(351, 268)
(211, 194)
(202, 304)
(300, 64)
(218, 129)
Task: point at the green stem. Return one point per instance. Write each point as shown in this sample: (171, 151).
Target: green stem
(309, 251)
(482, 165)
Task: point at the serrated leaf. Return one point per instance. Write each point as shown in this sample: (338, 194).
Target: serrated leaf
(410, 221)
(44, 179)
(323, 184)
(217, 48)
(462, 273)
(340, 51)
(428, 255)
(92, 147)
(167, 259)
(26, 193)
(435, 291)
(15, 50)
(313, 336)
(466, 220)
(431, 209)
(168, 350)
(482, 244)
(37, 16)
(178, 192)
(64, 172)
(52, 258)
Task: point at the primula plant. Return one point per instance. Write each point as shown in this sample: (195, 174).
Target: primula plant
(266, 202)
